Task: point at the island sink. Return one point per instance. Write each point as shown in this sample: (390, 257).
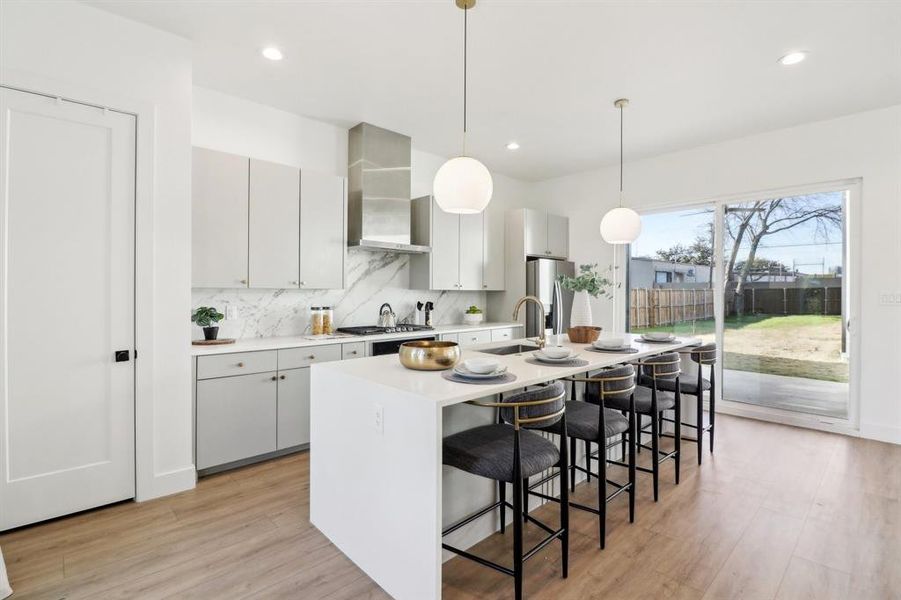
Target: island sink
(515, 349)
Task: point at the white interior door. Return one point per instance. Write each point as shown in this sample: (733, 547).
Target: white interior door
(67, 175)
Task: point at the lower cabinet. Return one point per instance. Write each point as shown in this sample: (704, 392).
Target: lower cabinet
(293, 408)
(236, 418)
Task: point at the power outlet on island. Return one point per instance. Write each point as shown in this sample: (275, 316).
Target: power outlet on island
(379, 419)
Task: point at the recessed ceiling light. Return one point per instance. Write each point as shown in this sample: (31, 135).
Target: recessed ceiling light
(793, 58)
(272, 53)
(512, 146)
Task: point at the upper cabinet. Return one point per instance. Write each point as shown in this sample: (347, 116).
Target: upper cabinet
(545, 234)
(460, 244)
(263, 225)
(493, 248)
(219, 219)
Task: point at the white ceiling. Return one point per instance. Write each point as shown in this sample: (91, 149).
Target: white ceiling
(546, 73)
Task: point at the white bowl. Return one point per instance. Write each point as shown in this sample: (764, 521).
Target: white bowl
(610, 342)
(658, 335)
(481, 365)
(556, 351)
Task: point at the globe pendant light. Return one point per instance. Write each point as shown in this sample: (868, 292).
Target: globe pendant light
(463, 185)
(621, 225)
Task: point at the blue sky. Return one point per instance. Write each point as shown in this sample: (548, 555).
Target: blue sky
(799, 245)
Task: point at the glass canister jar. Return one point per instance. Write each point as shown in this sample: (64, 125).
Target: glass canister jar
(316, 320)
(328, 320)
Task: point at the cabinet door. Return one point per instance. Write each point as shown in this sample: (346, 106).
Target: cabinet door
(536, 232)
(323, 243)
(471, 258)
(274, 225)
(445, 249)
(236, 418)
(293, 408)
(493, 249)
(558, 236)
(219, 219)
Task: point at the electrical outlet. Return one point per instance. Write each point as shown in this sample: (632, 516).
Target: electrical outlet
(890, 298)
(231, 311)
(379, 419)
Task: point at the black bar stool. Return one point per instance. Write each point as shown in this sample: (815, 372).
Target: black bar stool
(701, 355)
(593, 423)
(652, 401)
(509, 452)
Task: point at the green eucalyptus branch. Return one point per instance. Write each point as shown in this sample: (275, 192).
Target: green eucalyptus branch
(589, 280)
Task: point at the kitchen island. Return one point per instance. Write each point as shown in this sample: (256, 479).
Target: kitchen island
(377, 483)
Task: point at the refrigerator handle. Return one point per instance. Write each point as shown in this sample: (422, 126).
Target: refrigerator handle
(558, 308)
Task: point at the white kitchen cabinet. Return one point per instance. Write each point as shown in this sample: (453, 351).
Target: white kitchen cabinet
(323, 241)
(274, 235)
(445, 253)
(545, 234)
(353, 350)
(293, 408)
(493, 248)
(500, 335)
(469, 338)
(449, 337)
(472, 234)
(557, 236)
(236, 418)
(219, 221)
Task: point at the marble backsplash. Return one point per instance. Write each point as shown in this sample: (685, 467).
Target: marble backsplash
(372, 279)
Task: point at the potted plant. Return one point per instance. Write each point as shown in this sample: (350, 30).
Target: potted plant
(207, 317)
(588, 282)
(473, 315)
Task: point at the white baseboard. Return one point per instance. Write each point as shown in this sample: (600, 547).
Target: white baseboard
(880, 432)
(171, 482)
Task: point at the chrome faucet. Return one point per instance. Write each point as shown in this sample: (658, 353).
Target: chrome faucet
(542, 341)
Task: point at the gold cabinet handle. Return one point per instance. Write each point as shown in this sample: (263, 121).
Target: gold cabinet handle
(244, 281)
(312, 357)
(295, 283)
(281, 376)
(273, 378)
(353, 352)
(240, 364)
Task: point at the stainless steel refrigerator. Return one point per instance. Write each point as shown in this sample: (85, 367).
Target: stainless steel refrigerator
(541, 282)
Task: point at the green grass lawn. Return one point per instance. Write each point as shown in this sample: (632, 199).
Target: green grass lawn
(806, 346)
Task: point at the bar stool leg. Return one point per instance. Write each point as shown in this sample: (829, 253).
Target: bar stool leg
(700, 424)
(564, 510)
(517, 528)
(655, 448)
(712, 409)
(572, 467)
(525, 500)
(602, 495)
(587, 461)
(632, 466)
(502, 497)
(678, 432)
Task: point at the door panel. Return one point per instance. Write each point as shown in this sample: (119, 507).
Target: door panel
(558, 236)
(66, 248)
(445, 249)
(471, 234)
(322, 238)
(493, 249)
(219, 219)
(536, 232)
(274, 225)
(293, 408)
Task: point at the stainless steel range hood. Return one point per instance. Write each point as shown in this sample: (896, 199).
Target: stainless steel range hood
(378, 199)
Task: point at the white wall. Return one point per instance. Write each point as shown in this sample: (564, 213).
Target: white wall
(67, 48)
(229, 124)
(865, 145)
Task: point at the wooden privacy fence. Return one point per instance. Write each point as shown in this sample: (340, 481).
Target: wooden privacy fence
(650, 307)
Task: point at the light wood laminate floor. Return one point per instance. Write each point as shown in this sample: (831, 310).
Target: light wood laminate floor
(777, 512)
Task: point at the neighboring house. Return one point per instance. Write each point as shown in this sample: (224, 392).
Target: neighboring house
(652, 273)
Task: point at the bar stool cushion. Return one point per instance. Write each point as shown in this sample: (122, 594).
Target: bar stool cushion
(688, 385)
(582, 422)
(665, 401)
(488, 451)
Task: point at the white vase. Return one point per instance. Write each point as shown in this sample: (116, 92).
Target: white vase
(581, 311)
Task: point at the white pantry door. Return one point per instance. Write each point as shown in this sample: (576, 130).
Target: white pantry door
(67, 175)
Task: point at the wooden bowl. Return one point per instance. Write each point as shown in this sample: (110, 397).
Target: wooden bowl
(583, 334)
(429, 355)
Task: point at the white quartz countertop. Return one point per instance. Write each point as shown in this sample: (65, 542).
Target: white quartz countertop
(431, 386)
(299, 341)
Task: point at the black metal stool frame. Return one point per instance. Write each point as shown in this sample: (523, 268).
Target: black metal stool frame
(562, 533)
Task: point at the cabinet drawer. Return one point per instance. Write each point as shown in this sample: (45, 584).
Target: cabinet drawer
(353, 350)
(449, 337)
(469, 338)
(295, 358)
(238, 363)
(500, 335)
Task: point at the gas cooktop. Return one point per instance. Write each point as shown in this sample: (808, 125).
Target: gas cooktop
(375, 330)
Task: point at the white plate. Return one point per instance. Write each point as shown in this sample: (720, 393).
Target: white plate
(462, 371)
(481, 365)
(548, 359)
(672, 338)
(612, 349)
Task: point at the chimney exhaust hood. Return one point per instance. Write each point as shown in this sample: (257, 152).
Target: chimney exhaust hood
(378, 198)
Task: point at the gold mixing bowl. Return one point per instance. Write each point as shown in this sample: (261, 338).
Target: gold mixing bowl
(429, 355)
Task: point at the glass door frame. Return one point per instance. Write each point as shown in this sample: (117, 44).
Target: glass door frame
(850, 298)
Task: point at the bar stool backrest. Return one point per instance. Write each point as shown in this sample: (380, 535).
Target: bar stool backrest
(615, 382)
(537, 408)
(704, 355)
(662, 366)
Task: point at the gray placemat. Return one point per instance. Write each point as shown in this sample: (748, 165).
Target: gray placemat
(578, 362)
(505, 378)
(616, 351)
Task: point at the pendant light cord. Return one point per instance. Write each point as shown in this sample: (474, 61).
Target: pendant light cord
(620, 155)
(465, 47)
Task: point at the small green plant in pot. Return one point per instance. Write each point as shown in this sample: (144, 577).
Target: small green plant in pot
(473, 315)
(207, 317)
